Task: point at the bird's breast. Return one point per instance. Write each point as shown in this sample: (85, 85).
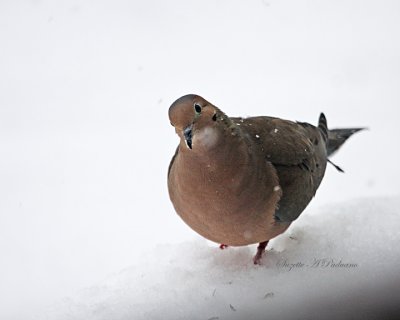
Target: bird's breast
(232, 204)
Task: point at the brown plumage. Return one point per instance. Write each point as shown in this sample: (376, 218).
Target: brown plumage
(240, 181)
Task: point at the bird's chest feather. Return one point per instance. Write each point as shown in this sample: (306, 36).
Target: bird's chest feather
(214, 184)
(218, 198)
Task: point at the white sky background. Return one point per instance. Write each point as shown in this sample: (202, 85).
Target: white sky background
(85, 139)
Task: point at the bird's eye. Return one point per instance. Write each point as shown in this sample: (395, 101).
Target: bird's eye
(197, 108)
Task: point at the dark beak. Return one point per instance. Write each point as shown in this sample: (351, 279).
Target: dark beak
(187, 133)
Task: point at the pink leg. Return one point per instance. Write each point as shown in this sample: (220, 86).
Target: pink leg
(260, 251)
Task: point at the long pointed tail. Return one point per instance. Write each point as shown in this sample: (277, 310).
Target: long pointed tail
(336, 137)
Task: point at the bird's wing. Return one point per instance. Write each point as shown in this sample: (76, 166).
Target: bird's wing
(283, 142)
(297, 152)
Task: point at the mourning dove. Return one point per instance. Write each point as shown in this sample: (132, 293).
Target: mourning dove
(240, 181)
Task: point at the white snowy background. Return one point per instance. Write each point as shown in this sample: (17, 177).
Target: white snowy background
(86, 227)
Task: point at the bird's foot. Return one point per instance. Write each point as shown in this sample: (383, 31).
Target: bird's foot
(223, 246)
(260, 252)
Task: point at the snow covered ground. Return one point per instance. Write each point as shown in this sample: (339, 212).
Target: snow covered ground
(336, 262)
(85, 144)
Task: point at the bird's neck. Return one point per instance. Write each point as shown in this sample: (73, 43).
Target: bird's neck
(222, 152)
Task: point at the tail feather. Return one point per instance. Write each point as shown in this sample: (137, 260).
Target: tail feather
(336, 138)
(323, 126)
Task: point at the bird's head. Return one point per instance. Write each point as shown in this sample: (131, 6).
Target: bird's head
(196, 121)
